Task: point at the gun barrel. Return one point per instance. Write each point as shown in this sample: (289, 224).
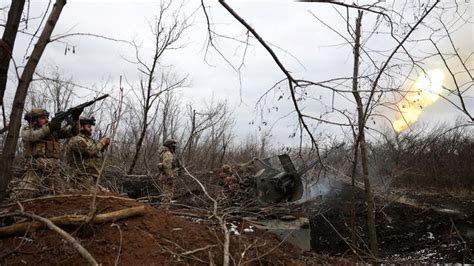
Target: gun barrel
(308, 167)
(101, 97)
(64, 114)
(89, 103)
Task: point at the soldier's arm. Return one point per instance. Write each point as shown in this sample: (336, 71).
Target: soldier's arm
(167, 163)
(28, 134)
(87, 148)
(74, 142)
(68, 131)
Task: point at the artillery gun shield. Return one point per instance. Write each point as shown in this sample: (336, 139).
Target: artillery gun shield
(295, 186)
(275, 186)
(268, 190)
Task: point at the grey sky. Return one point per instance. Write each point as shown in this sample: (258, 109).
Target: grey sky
(286, 24)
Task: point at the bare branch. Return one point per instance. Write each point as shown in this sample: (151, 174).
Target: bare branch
(84, 253)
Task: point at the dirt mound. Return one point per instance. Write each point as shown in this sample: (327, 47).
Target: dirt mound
(158, 237)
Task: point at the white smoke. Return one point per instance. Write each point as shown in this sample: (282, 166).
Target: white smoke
(320, 189)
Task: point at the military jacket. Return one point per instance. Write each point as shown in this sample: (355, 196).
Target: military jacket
(40, 142)
(85, 154)
(168, 162)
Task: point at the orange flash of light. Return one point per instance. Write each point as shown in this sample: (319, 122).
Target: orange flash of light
(424, 93)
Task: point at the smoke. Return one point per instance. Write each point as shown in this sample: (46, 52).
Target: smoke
(321, 189)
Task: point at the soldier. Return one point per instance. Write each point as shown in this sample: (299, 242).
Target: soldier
(85, 155)
(229, 182)
(41, 150)
(168, 166)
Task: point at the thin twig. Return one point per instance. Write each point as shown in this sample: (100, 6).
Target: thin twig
(343, 238)
(460, 237)
(84, 253)
(197, 250)
(220, 219)
(269, 251)
(117, 260)
(114, 131)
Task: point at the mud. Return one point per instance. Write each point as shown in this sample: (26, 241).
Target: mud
(418, 227)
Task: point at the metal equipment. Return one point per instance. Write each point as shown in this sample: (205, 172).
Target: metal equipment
(275, 186)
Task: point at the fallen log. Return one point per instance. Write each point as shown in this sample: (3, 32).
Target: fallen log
(84, 253)
(21, 228)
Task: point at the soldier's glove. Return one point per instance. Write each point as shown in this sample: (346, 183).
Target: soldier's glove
(55, 125)
(75, 114)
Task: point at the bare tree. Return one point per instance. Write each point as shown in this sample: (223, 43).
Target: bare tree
(459, 71)
(378, 86)
(167, 29)
(208, 134)
(52, 92)
(9, 149)
(362, 142)
(170, 111)
(8, 42)
(215, 118)
(219, 136)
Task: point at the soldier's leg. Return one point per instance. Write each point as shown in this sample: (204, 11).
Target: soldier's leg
(29, 184)
(172, 188)
(88, 175)
(166, 186)
(90, 183)
(52, 182)
(84, 182)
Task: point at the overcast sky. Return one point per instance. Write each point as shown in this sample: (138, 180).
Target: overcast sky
(308, 49)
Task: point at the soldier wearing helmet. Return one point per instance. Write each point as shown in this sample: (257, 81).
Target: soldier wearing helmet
(35, 114)
(168, 166)
(85, 155)
(41, 149)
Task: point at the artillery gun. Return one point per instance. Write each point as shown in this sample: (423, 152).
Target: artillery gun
(261, 192)
(273, 185)
(268, 186)
(276, 186)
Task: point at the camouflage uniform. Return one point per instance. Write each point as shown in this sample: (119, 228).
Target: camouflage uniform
(41, 150)
(85, 156)
(229, 182)
(168, 166)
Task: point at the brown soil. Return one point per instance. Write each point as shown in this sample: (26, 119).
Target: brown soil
(158, 237)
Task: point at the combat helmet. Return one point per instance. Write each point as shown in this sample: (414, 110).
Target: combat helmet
(35, 113)
(87, 121)
(170, 143)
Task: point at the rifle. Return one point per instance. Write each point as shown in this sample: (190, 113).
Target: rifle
(71, 114)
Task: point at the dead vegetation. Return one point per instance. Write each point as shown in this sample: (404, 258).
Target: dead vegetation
(406, 215)
(157, 236)
(437, 159)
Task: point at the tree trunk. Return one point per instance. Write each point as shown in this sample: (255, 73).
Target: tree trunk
(369, 200)
(353, 203)
(139, 144)
(8, 154)
(8, 42)
(146, 109)
(362, 144)
(191, 136)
